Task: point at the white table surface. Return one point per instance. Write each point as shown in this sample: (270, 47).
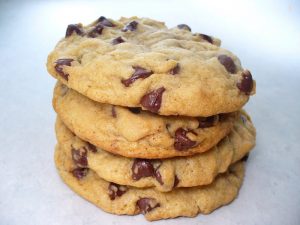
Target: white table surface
(265, 36)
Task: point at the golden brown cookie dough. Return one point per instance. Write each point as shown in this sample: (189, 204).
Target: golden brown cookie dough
(135, 133)
(155, 205)
(139, 62)
(196, 170)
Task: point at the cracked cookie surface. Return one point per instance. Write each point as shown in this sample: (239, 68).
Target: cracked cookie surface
(155, 205)
(166, 174)
(139, 62)
(135, 133)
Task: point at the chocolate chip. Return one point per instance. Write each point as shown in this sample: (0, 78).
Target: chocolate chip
(105, 22)
(77, 28)
(135, 110)
(79, 173)
(113, 112)
(142, 168)
(117, 40)
(207, 38)
(91, 147)
(182, 142)
(97, 30)
(59, 67)
(130, 26)
(184, 27)
(207, 121)
(176, 181)
(246, 84)
(227, 62)
(139, 72)
(115, 190)
(79, 157)
(175, 70)
(245, 158)
(152, 100)
(158, 177)
(147, 204)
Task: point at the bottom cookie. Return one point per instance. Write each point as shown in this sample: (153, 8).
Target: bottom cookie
(155, 205)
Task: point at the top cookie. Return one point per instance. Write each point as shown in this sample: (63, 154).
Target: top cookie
(139, 62)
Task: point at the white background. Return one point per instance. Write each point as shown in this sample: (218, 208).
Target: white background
(264, 34)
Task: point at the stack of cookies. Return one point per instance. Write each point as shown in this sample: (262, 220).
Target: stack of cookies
(149, 118)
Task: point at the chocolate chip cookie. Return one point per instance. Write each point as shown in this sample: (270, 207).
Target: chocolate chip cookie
(155, 205)
(131, 132)
(165, 174)
(139, 62)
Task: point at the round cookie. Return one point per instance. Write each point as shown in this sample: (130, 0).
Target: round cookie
(135, 133)
(196, 170)
(139, 62)
(155, 205)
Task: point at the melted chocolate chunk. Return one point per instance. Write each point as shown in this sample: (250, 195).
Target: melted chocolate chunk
(130, 26)
(115, 190)
(182, 142)
(158, 177)
(184, 27)
(175, 70)
(105, 22)
(207, 38)
(142, 168)
(79, 173)
(77, 28)
(59, 64)
(176, 181)
(113, 112)
(79, 157)
(117, 40)
(138, 73)
(152, 100)
(91, 147)
(206, 121)
(135, 110)
(97, 30)
(227, 62)
(246, 84)
(147, 204)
